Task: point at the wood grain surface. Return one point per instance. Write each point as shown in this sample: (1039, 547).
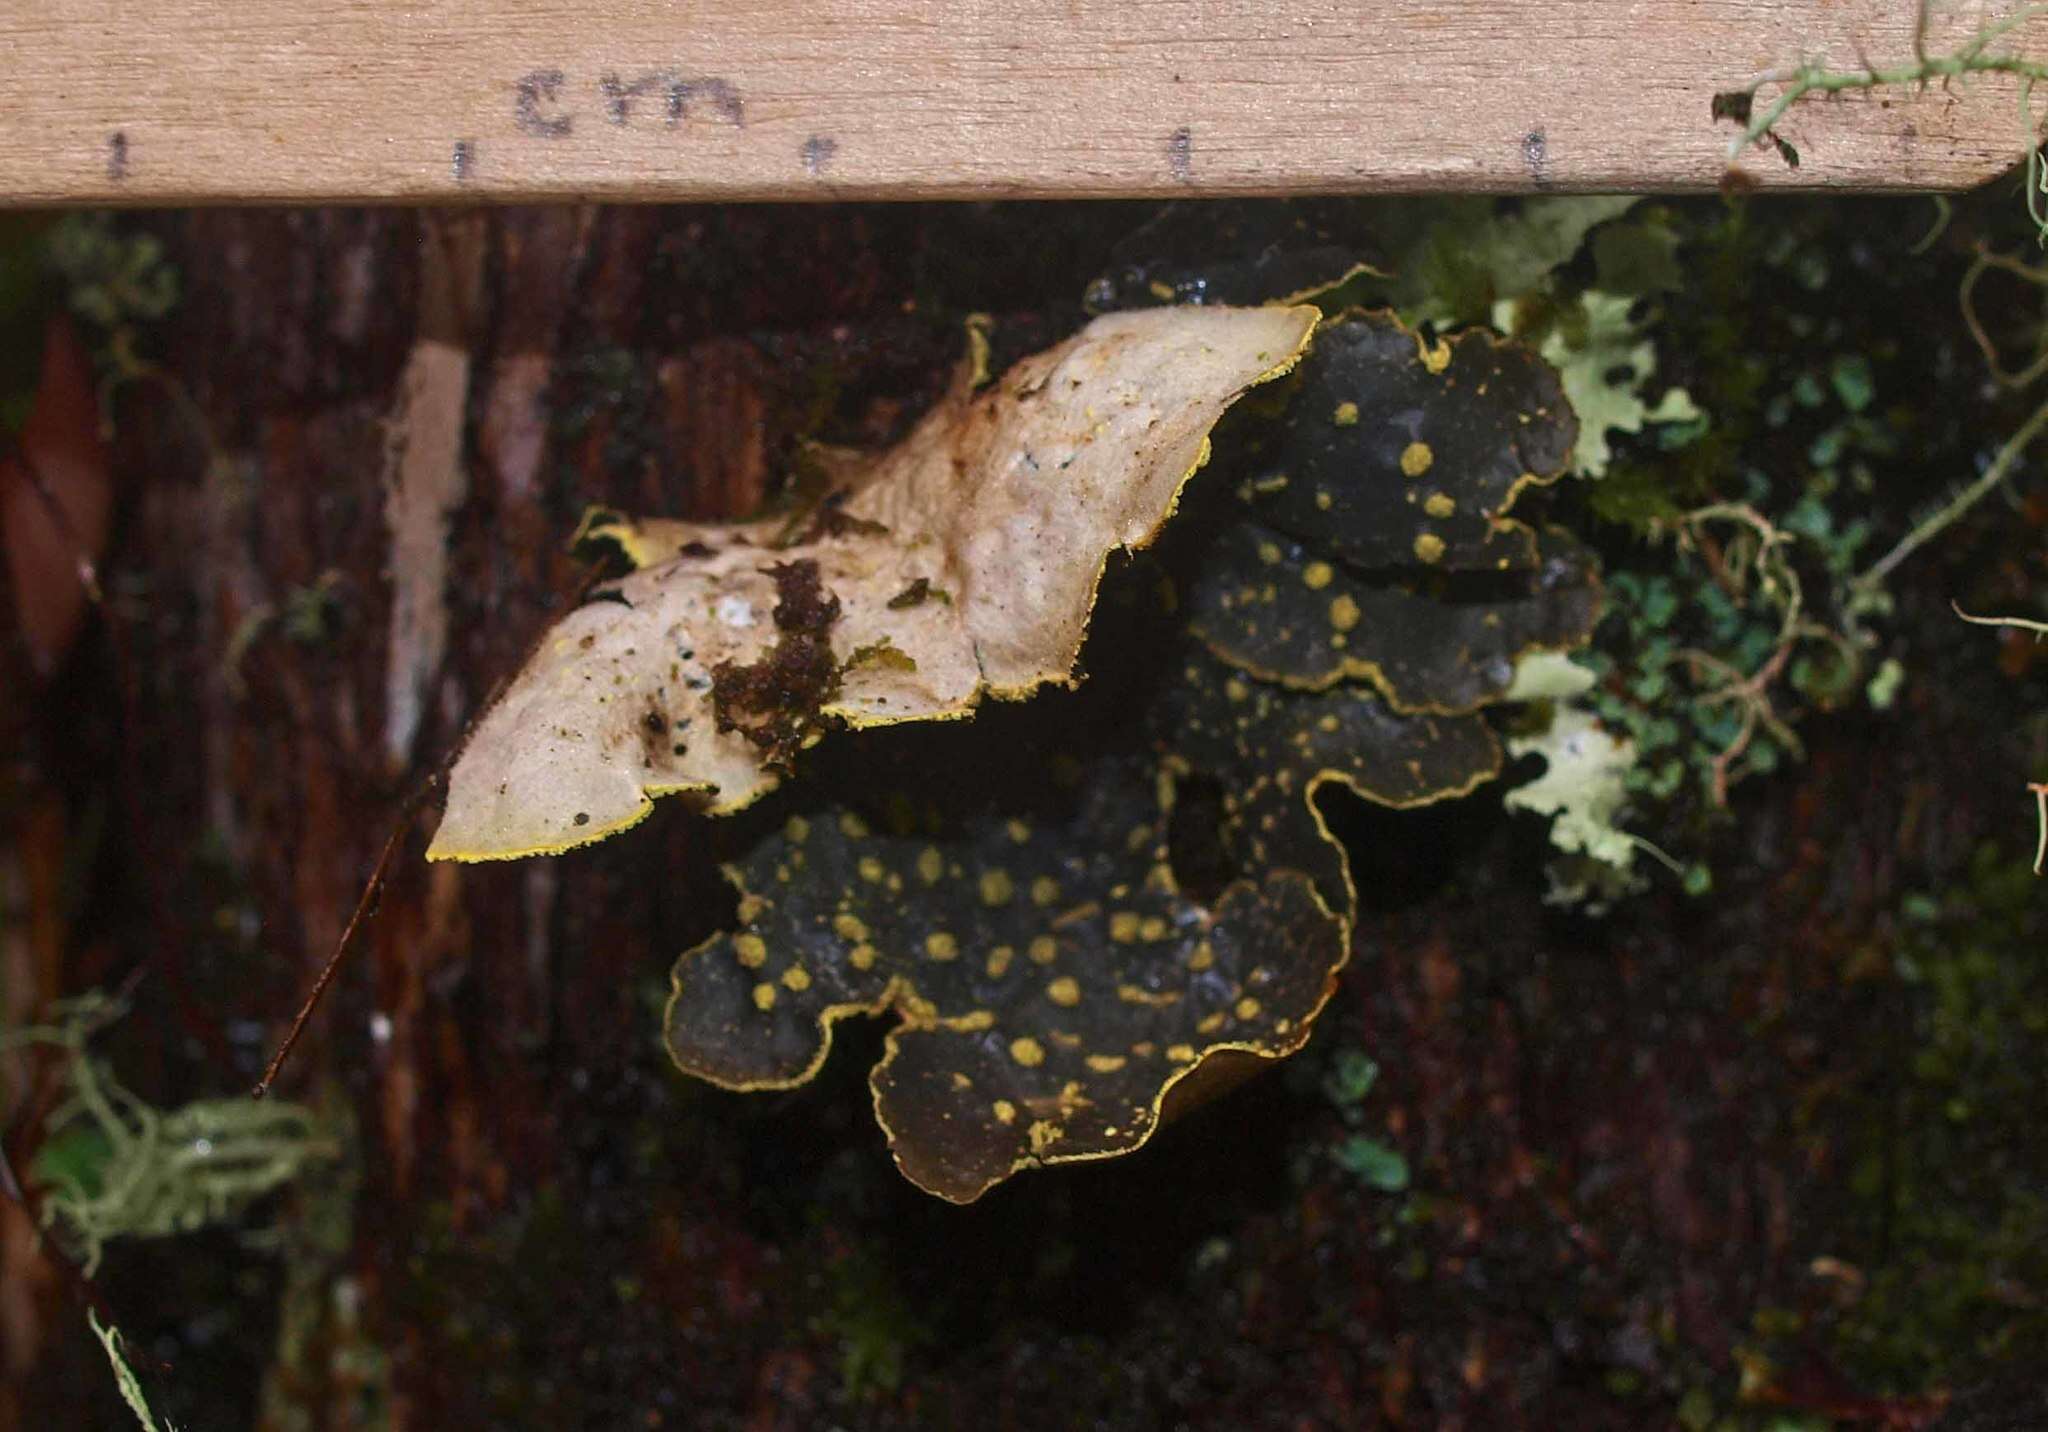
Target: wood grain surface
(193, 101)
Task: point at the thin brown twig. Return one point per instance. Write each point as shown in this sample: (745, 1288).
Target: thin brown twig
(2039, 629)
(2040, 790)
(1753, 695)
(366, 906)
(1983, 263)
(2002, 464)
(1734, 568)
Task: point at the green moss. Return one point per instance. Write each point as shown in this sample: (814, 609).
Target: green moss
(327, 1368)
(113, 1166)
(115, 277)
(1950, 1175)
(875, 1327)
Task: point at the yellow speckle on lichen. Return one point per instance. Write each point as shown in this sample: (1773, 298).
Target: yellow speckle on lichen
(849, 927)
(1065, 990)
(930, 865)
(1123, 926)
(871, 870)
(996, 887)
(861, 957)
(852, 826)
(1203, 957)
(941, 945)
(1317, 575)
(1005, 1111)
(796, 979)
(1042, 949)
(1416, 459)
(1269, 552)
(1247, 1008)
(1027, 1051)
(752, 950)
(1211, 1023)
(974, 1022)
(1106, 1063)
(1019, 832)
(1045, 891)
(797, 829)
(1343, 613)
(1322, 501)
(999, 961)
(1437, 358)
(1236, 690)
(1153, 928)
(1346, 415)
(764, 997)
(1181, 1053)
(1440, 504)
(1044, 1134)
(1429, 547)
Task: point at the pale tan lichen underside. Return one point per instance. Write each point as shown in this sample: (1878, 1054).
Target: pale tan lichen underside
(1007, 501)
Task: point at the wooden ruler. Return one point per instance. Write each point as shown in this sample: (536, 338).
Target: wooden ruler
(301, 101)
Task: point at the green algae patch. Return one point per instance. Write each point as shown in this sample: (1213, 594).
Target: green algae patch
(1008, 499)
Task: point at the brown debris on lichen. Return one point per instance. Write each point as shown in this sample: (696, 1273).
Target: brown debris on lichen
(917, 594)
(774, 702)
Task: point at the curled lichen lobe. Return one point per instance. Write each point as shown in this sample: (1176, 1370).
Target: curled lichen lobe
(774, 702)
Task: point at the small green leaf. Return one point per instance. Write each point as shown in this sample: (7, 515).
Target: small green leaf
(1373, 1164)
(1351, 1077)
